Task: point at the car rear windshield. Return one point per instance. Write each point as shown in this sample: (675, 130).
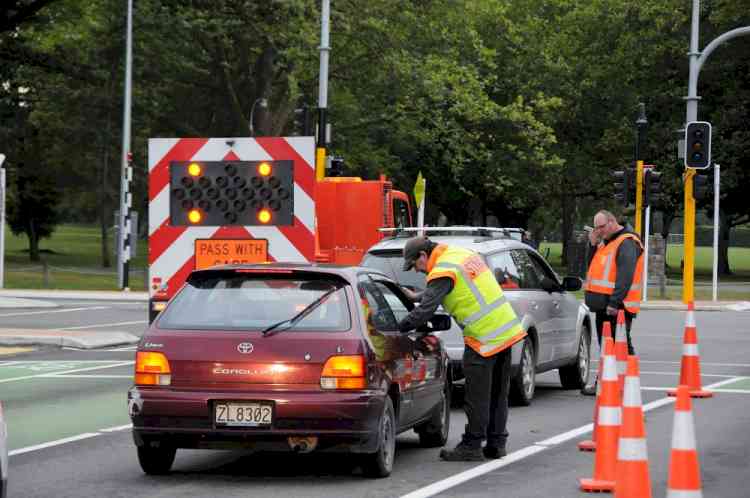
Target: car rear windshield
(391, 263)
(236, 301)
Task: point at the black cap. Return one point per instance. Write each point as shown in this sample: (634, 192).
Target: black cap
(412, 250)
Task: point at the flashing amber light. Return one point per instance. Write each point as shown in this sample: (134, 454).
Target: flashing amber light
(194, 169)
(152, 368)
(264, 169)
(195, 216)
(344, 372)
(264, 216)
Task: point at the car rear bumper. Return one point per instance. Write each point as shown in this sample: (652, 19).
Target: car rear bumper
(341, 421)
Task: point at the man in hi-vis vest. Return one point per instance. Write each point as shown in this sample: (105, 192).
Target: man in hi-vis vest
(460, 280)
(615, 276)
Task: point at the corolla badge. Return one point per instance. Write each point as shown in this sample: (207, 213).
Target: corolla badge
(245, 347)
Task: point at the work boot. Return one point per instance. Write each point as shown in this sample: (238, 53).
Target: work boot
(589, 390)
(462, 453)
(494, 452)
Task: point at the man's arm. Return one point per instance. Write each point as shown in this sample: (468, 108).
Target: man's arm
(627, 257)
(432, 296)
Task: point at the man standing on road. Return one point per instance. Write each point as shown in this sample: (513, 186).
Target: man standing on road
(460, 280)
(615, 276)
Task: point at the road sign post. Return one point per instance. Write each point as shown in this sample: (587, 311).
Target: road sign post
(2, 221)
(420, 188)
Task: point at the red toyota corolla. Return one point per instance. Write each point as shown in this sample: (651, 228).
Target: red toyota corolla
(288, 357)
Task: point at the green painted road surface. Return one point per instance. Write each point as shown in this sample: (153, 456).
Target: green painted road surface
(49, 400)
(740, 385)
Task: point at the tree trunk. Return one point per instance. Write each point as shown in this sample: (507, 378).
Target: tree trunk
(33, 241)
(724, 229)
(568, 209)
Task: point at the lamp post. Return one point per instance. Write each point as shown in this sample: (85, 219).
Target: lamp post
(264, 104)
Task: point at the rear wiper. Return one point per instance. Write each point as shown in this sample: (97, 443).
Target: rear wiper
(291, 322)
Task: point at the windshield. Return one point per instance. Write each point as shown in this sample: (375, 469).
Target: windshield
(229, 301)
(391, 264)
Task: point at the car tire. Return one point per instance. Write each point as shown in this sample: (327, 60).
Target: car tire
(380, 463)
(523, 384)
(576, 375)
(156, 458)
(434, 433)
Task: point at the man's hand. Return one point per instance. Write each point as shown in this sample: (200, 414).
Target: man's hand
(612, 311)
(594, 238)
(413, 296)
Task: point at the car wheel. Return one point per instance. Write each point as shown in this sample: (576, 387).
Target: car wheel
(434, 433)
(380, 463)
(523, 384)
(576, 375)
(156, 458)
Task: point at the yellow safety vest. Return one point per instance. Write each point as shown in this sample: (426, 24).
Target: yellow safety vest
(476, 301)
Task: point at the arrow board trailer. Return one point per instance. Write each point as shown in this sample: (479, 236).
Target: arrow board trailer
(216, 201)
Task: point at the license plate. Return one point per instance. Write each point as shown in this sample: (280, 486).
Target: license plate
(243, 414)
(212, 252)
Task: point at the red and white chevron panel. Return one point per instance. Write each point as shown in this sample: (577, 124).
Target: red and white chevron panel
(171, 248)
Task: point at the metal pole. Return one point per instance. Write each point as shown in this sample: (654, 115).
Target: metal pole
(717, 169)
(123, 249)
(641, 124)
(2, 222)
(689, 236)
(320, 153)
(420, 214)
(645, 254)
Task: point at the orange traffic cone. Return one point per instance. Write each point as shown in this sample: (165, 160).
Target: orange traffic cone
(621, 349)
(590, 444)
(684, 474)
(690, 370)
(608, 427)
(633, 479)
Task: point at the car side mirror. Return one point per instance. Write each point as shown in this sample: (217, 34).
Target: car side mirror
(572, 283)
(438, 322)
(550, 285)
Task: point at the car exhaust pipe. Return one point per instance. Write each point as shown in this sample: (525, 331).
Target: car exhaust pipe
(302, 444)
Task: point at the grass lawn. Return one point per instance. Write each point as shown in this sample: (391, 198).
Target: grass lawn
(73, 257)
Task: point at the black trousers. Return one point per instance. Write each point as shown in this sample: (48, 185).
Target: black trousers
(602, 316)
(486, 398)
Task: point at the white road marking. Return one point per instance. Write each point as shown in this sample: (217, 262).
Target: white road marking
(114, 324)
(64, 376)
(75, 370)
(702, 363)
(702, 374)
(50, 444)
(523, 453)
(67, 310)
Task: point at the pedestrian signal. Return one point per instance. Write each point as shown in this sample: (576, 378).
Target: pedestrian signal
(698, 145)
(652, 187)
(218, 193)
(703, 188)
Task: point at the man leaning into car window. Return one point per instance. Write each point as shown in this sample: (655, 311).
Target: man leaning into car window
(459, 279)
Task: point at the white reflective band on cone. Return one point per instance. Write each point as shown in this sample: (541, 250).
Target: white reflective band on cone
(690, 350)
(690, 319)
(684, 493)
(683, 433)
(609, 371)
(632, 396)
(609, 415)
(631, 449)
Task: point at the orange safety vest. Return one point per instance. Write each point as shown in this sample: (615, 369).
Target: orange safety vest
(602, 273)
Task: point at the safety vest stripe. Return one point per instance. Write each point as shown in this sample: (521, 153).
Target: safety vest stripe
(603, 283)
(608, 265)
(489, 348)
(486, 310)
(609, 415)
(632, 304)
(500, 330)
(469, 282)
(632, 449)
(634, 287)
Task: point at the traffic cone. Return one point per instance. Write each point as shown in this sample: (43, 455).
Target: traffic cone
(690, 370)
(608, 427)
(684, 474)
(590, 444)
(633, 479)
(621, 349)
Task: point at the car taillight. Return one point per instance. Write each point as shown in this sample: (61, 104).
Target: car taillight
(344, 372)
(152, 369)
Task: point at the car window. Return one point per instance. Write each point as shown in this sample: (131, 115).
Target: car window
(542, 268)
(392, 263)
(400, 213)
(529, 279)
(234, 301)
(398, 307)
(505, 270)
(381, 316)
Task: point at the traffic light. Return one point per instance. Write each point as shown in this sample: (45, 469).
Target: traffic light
(698, 145)
(703, 187)
(303, 121)
(652, 187)
(625, 185)
(218, 193)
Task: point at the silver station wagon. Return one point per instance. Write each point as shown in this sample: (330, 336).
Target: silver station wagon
(558, 325)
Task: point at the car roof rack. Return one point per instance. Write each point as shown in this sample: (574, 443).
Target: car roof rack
(491, 232)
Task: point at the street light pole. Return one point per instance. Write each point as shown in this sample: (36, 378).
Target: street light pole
(264, 104)
(641, 124)
(320, 152)
(123, 246)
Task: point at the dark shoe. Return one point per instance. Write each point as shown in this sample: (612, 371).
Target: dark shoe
(462, 453)
(493, 452)
(589, 390)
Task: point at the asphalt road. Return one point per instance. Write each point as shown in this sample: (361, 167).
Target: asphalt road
(69, 434)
